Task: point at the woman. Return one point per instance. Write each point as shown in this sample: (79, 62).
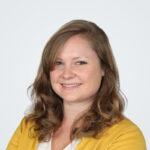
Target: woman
(77, 100)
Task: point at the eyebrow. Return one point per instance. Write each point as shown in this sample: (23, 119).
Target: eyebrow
(80, 57)
(76, 57)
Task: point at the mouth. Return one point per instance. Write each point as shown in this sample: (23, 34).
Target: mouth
(70, 85)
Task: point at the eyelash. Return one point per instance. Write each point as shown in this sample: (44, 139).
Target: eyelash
(81, 62)
(78, 62)
(58, 62)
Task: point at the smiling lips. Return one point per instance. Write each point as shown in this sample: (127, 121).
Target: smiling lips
(70, 85)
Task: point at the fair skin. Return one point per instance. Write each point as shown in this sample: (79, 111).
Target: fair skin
(76, 78)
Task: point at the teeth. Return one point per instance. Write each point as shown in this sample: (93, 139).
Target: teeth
(71, 84)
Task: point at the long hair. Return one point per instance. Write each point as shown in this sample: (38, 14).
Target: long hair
(107, 107)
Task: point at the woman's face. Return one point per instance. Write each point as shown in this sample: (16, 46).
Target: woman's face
(77, 73)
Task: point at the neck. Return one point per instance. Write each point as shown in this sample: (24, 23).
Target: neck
(73, 111)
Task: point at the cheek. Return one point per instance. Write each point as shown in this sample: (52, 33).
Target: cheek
(53, 76)
(92, 77)
(84, 74)
(89, 73)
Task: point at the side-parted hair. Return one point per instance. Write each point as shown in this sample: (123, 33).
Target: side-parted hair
(108, 105)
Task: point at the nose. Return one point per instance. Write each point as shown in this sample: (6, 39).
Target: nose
(68, 73)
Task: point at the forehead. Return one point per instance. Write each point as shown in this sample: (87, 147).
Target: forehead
(76, 46)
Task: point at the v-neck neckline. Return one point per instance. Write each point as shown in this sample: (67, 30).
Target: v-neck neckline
(48, 145)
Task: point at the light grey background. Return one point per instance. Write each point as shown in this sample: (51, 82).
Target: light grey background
(25, 27)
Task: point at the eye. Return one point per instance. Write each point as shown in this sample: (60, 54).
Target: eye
(81, 62)
(59, 63)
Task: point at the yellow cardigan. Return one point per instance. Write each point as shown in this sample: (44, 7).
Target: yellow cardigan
(124, 135)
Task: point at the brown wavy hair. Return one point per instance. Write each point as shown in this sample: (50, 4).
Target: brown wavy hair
(107, 108)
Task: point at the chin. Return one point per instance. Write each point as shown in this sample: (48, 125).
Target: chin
(70, 99)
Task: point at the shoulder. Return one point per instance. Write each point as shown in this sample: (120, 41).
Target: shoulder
(123, 126)
(124, 135)
(24, 125)
(21, 137)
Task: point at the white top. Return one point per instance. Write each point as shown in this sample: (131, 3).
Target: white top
(47, 145)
